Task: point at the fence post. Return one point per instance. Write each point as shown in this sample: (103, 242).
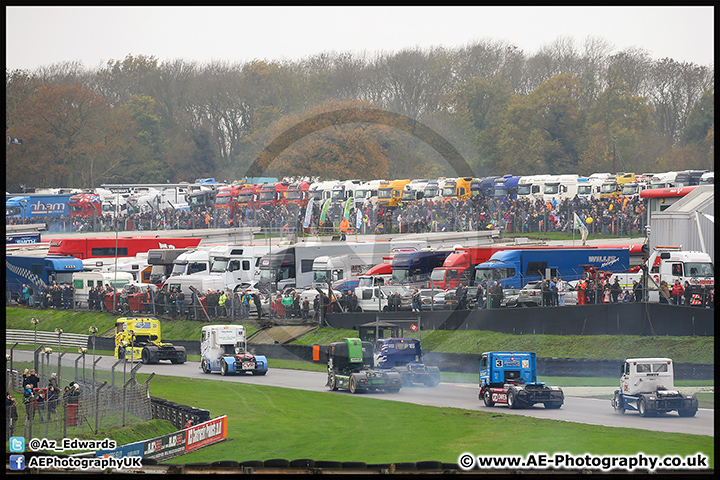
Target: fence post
(97, 404)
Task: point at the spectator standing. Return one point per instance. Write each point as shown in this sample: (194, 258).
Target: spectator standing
(560, 287)
(615, 290)
(258, 304)
(665, 293)
(677, 293)
(687, 293)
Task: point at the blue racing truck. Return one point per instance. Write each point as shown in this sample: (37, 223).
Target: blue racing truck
(404, 356)
(38, 271)
(515, 268)
(510, 378)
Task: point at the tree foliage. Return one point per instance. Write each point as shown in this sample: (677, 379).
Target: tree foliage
(567, 108)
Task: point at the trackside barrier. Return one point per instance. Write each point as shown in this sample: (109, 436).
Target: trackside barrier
(177, 443)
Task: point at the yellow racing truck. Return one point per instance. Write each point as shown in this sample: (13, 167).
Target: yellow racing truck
(138, 338)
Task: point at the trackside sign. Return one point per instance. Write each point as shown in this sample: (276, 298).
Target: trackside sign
(207, 433)
(174, 444)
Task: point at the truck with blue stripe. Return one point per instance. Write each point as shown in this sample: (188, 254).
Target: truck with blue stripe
(223, 348)
(37, 206)
(38, 271)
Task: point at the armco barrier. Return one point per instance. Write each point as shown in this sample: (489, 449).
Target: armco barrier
(177, 414)
(601, 319)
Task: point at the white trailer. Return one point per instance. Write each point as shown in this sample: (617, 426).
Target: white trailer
(84, 281)
(292, 266)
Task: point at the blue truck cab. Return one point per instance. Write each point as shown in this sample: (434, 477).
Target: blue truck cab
(511, 378)
(404, 356)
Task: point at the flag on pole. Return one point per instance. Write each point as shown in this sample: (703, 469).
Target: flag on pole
(348, 205)
(577, 223)
(324, 210)
(358, 221)
(308, 212)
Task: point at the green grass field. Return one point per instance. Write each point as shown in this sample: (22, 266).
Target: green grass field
(270, 422)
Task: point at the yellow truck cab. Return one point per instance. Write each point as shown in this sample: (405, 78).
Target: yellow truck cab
(458, 188)
(612, 187)
(390, 193)
(139, 338)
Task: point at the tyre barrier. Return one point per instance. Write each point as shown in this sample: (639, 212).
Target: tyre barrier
(177, 414)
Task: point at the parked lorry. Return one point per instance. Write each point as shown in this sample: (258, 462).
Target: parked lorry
(515, 268)
(404, 356)
(506, 187)
(343, 271)
(414, 268)
(390, 193)
(37, 206)
(612, 186)
(510, 378)
(38, 271)
(223, 348)
(139, 338)
(560, 187)
(669, 263)
(350, 366)
(646, 386)
(456, 188)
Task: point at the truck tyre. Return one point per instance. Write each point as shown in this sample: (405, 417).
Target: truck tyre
(619, 404)
(204, 366)
(552, 405)
(332, 382)
(260, 373)
(177, 361)
(145, 356)
(511, 399)
(352, 385)
(431, 382)
(223, 367)
(121, 353)
(487, 398)
(643, 409)
(688, 412)
(392, 390)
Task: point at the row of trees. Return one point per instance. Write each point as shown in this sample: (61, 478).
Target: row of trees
(567, 108)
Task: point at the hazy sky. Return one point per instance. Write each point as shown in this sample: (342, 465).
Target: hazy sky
(41, 36)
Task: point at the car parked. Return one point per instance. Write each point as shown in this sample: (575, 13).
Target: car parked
(451, 300)
(531, 294)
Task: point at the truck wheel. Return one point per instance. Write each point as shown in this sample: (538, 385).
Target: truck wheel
(145, 356)
(121, 353)
(352, 385)
(642, 408)
(512, 401)
(619, 404)
(260, 373)
(688, 412)
(332, 382)
(552, 405)
(204, 366)
(177, 361)
(487, 398)
(392, 390)
(223, 367)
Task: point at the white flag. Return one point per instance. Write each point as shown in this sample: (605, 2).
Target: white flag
(580, 226)
(308, 212)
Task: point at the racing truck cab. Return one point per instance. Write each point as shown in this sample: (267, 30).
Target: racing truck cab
(350, 366)
(511, 378)
(647, 386)
(223, 348)
(138, 338)
(404, 356)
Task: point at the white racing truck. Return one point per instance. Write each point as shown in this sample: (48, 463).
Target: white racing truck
(223, 348)
(646, 386)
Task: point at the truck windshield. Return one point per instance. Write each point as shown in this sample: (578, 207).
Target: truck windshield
(223, 199)
(524, 189)
(629, 189)
(438, 275)
(219, 265)
(699, 269)
(584, 189)
(448, 191)
(385, 193)
(293, 195)
(338, 194)
(267, 195)
(551, 188)
(494, 273)
(63, 277)
(321, 276)
(607, 188)
(431, 192)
